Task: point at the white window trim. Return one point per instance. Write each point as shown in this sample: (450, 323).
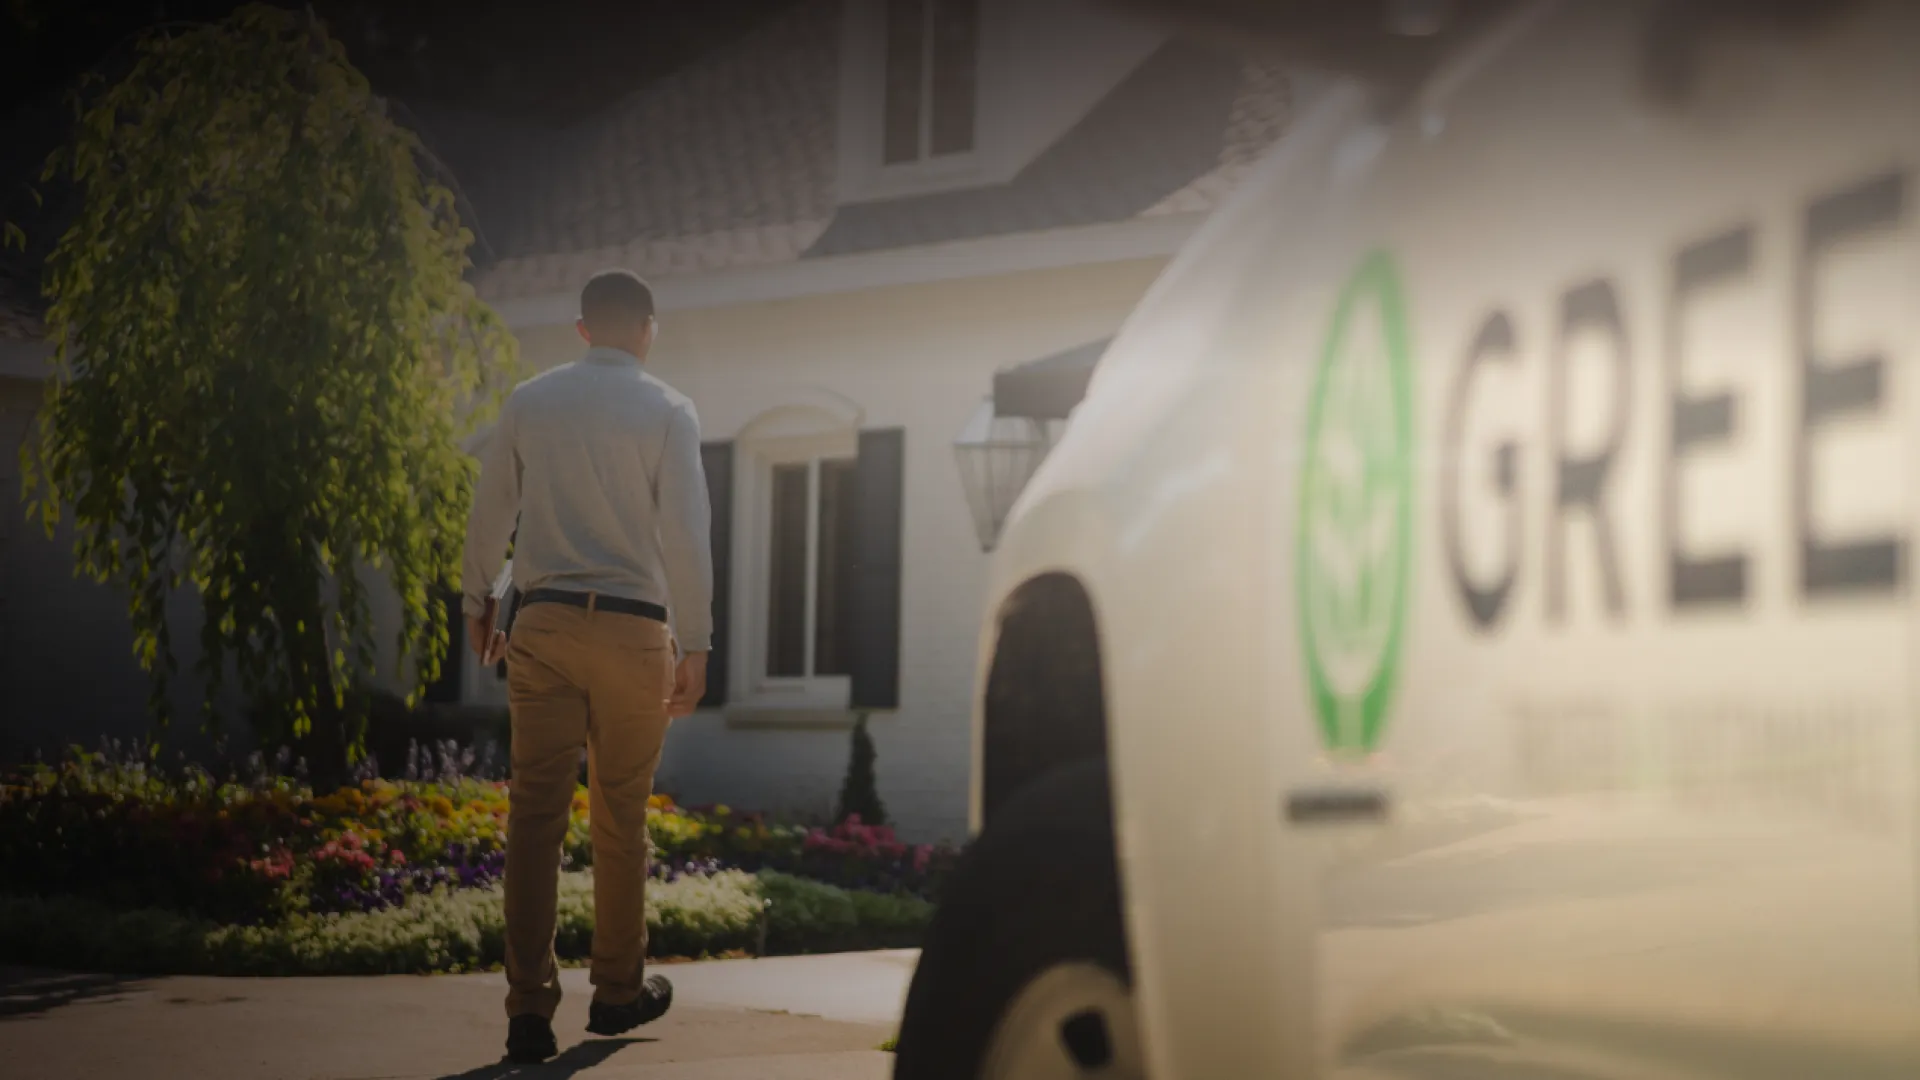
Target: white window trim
(753, 507)
(863, 175)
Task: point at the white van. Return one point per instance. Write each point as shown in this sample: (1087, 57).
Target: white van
(1468, 630)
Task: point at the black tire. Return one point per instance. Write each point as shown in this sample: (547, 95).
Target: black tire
(1040, 887)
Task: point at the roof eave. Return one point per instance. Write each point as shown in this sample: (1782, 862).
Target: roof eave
(1160, 236)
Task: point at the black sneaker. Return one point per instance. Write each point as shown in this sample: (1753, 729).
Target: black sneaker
(656, 997)
(530, 1039)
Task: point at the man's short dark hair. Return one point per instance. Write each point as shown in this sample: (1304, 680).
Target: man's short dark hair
(616, 300)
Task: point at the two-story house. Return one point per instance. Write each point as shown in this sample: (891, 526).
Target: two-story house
(862, 221)
(854, 219)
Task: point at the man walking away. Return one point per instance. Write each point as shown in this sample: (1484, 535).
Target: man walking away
(600, 463)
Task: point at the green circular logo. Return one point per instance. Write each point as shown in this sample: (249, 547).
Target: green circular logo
(1355, 543)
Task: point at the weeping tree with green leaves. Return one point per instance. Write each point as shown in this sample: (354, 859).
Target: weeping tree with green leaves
(266, 355)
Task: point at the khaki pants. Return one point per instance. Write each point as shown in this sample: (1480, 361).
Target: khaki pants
(595, 679)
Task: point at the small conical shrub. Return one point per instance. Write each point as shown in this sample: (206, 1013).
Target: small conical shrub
(858, 795)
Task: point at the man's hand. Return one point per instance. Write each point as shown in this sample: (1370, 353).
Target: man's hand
(496, 649)
(689, 685)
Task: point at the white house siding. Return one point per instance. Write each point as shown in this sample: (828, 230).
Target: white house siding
(916, 357)
(66, 647)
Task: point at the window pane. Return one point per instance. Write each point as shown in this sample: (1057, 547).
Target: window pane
(830, 652)
(956, 65)
(906, 66)
(787, 574)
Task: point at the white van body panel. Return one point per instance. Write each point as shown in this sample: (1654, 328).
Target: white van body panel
(1633, 696)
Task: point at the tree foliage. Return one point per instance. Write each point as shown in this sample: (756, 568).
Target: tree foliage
(266, 353)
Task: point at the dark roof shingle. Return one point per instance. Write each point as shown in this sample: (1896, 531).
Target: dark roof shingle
(1153, 135)
(731, 163)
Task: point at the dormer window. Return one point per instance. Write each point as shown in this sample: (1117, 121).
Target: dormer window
(932, 56)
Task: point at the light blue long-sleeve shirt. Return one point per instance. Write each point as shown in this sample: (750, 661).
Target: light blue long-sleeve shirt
(599, 462)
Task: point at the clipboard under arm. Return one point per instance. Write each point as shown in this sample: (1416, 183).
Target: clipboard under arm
(506, 599)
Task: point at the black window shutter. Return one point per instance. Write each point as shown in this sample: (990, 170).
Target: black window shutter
(716, 460)
(874, 619)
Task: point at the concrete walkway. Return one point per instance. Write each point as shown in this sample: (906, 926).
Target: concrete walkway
(797, 1018)
(856, 988)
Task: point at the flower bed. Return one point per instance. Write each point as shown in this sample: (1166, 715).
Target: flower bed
(112, 864)
(265, 850)
(851, 855)
(453, 930)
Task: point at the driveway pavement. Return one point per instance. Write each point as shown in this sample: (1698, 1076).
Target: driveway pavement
(797, 1018)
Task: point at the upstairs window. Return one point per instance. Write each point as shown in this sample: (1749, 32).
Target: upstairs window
(932, 79)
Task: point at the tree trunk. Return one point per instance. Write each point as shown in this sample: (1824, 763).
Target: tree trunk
(328, 743)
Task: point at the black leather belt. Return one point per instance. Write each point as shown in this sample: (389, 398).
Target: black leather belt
(595, 602)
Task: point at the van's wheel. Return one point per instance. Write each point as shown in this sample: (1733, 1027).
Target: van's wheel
(1023, 974)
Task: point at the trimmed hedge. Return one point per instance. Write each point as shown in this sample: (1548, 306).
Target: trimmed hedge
(810, 917)
(452, 931)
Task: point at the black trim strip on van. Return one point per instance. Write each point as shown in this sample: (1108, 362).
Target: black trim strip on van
(1336, 807)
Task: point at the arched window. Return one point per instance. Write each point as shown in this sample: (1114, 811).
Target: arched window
(811, 557)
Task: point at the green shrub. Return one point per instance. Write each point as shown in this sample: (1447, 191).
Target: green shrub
(890, 922)
(806, 916)
(860, 793)
(810, 917)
